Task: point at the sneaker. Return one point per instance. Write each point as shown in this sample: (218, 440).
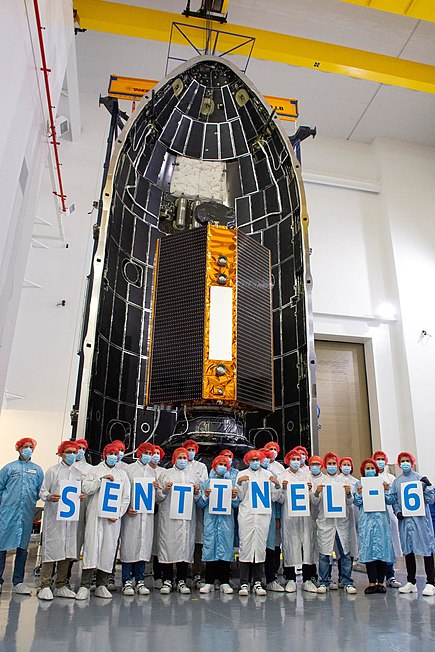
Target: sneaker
(333, 586)
(206, 588)
(45, 594)
(182, 587)
(349, 588)
(429, 589)
(82, 593)
(408, 588)
(322, 588)
(226, 588)
(64, 592)
(166, 588)
(158, 584)
(197, 582)
(257, 589)
(128, 588)
(103, 592)
(340, 584)
(141, 588)
(275, 586)
(244, 589)
(111, 583)
(21, 589)
(290, 587)
(309, 586)
(393, 583)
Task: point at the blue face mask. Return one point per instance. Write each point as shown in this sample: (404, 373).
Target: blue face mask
(70, 458)
(381, 464)
(405, 466)
(80, 454)
(332, 470)
(265, 463)
(295, 464)
(221, 469)
(370, 473)
(121, 455)
(145, 459)
(181, 464)
(303, 458)
(230, 460)
(111, 460)
(316, 470)
(346, 470)
(26, 453)
(191, 455)
(254, 465)
(155, 459)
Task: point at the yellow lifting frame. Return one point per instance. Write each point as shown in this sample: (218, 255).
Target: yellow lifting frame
(417, 9)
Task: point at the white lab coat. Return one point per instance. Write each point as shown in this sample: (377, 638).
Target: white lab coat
(276, 467)
(201, 473)
(59, 538)
(101, 535)
(176, 537)
(253, 528)
(296, 531)
(137, 530)
(158, 470)
(389, 478)
(327, 527)
(84, 468)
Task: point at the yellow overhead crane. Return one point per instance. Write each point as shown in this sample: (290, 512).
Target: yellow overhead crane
(156, 25)
(418, 9)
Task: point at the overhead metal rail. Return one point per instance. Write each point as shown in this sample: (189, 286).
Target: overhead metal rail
(416, 9)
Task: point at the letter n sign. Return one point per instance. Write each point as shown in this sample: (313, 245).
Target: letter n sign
(260, 499)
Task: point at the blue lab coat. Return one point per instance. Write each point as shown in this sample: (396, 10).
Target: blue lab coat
(416, 532)
(374, 532)
(218, 529)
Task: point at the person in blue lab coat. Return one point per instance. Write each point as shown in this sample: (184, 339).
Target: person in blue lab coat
(374, 533)
(416, 532)
(218, 548)
(20, 482)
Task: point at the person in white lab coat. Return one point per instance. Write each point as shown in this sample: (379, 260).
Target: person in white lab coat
(59, 538)
(276, 467)
(156, 458)
(296, 531)
(176, 536)
(381, 460)
(346, 471)
(253, 527)
(315, 465)
(332, 531)
(102, 534)
(84, 467)
(304, 469)
(201, 471)
(137, 529)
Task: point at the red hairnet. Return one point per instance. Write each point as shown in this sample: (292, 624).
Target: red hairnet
(161, 451)
(177, 452)
(363, 464)
(295, 451)
(82, 442)
(227, 451)
(119, 444)
(67, 444)
(349, 459)
(267, 453)
(23, 441)
(376, 453)
(410, 455)
(272, 444)
(220, 459)
(110, 448)
(191, 444)
(331, 456)
(315, 459)
(303, 450)
(145, 446)
(250, 454)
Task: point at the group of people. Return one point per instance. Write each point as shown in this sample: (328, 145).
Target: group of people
(207, 540)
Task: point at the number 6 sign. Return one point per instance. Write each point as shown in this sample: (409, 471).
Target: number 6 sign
(412, 499)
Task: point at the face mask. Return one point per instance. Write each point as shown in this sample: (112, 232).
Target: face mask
(121, 455)
(70, 458)
(26, 453)
(191, 455)
(315, 470)
(381, 464)
(221, 469)
(346, 470)
(254, 465)
(370, 473)
(295, 464)
(303, 458)
(274, 453)
(181, 464)
(111, 460)
(145, 459)
(332, 470)
(80, 454)
(405, 466)
(155, 459)
(230, 461)
(265, 463)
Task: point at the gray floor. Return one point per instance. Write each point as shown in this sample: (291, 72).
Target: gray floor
(197, 622)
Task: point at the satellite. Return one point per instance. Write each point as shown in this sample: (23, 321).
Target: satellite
(199, 322)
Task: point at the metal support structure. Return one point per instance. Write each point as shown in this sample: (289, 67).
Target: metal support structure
(301, 134)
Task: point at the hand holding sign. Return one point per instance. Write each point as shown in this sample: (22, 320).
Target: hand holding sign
(69, 501)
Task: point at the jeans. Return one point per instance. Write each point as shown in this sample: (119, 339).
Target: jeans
(19, 565)
(346, 566)
(133, 569)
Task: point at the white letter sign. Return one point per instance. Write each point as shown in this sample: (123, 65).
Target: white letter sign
(109, 499)
(412, 498)
(181, 502)
(143, 496)
(259, 497)
(219, 501)
(334, 500)
(68, 507)
(298, 500)
(373, 494)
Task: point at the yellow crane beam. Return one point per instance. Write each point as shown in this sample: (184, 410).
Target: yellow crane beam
(418, 9)
(156, 25)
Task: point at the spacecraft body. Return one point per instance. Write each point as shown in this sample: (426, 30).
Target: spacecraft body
(200, 307)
